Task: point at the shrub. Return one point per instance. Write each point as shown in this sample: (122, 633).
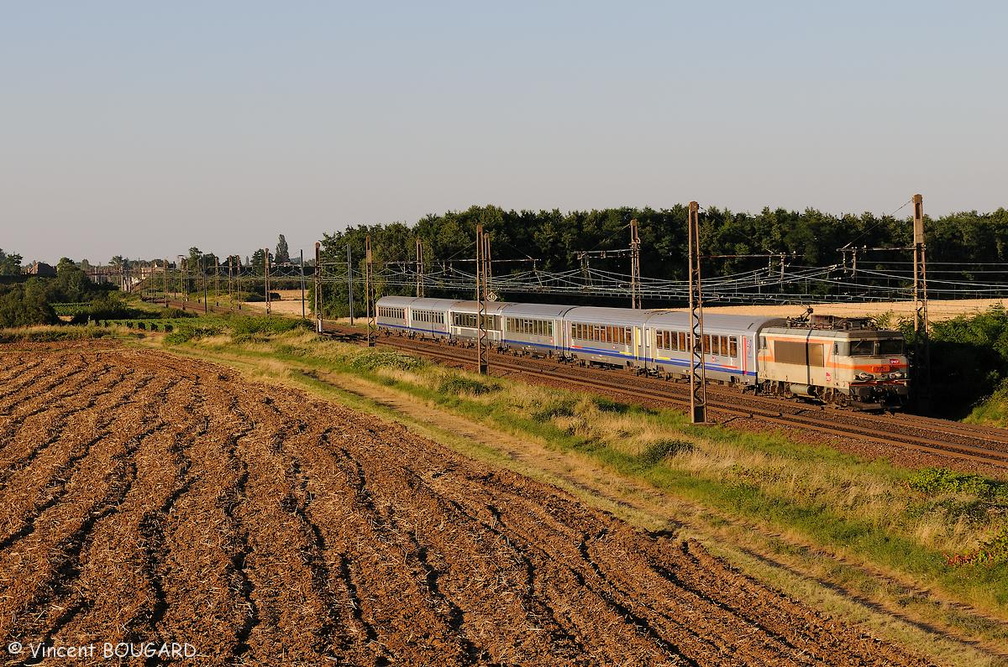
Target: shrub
(657, 451)
(373, 360)
(941, 481)
(457, 384)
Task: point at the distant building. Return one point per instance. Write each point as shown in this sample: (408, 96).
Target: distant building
(40, 269)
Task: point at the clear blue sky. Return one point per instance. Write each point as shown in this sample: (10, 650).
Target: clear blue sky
(142, 128)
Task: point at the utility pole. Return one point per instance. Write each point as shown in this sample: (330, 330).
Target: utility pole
(266, 277)
(216, 268)
(481, 333)
(181, 277)
(349, 281)
(487, 270)
(206, 303)
(166, 282)
(231, 283)
(698, 367)
(922, 343)
(635, 279)
(303, 316)
(419, 269)
(372, 327)
(318, 287)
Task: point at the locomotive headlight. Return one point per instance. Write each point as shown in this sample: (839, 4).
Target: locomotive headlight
(864, 376)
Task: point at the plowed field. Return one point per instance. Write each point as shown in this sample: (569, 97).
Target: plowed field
(146, 498)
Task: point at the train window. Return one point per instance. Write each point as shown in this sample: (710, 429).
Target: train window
(790, 352)
(815, 354)
(890, 346)
(733, 347)
(862, 348)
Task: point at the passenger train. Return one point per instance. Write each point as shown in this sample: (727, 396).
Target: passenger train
(844, 361)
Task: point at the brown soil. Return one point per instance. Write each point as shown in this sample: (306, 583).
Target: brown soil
(144, 498)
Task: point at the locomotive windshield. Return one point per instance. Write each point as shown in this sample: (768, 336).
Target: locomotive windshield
(890, 347)
(862, 348)
(884, 347)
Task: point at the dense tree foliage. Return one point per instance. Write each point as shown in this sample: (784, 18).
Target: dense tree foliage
(969, 360)
(10, 265)
(28, 303)
(25, 304)
(282, 251)
(553, 239)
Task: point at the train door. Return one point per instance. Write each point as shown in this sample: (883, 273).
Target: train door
(641, 347)
(743, 356)
(832, 352)
(636, 346)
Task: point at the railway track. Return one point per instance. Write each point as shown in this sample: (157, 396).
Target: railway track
(982, 445)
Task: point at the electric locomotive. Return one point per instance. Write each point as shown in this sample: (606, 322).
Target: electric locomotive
(835, 360)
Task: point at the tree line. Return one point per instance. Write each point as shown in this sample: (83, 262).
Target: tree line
(728, 240)
(29, 302)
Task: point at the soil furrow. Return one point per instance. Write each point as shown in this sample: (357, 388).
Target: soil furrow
(52, 419)
(43, 485)
(66, 562)
(37, 380)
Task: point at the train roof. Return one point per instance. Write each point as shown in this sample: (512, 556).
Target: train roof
(491, 307)
(840, 334)
(601, 315)
(397, 301)
(714, 322)
(536, 310)
(414, 302)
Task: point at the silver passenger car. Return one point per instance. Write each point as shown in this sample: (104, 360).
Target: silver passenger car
(604, 336)
(463, 320)
(534, 328)
(729, 344)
